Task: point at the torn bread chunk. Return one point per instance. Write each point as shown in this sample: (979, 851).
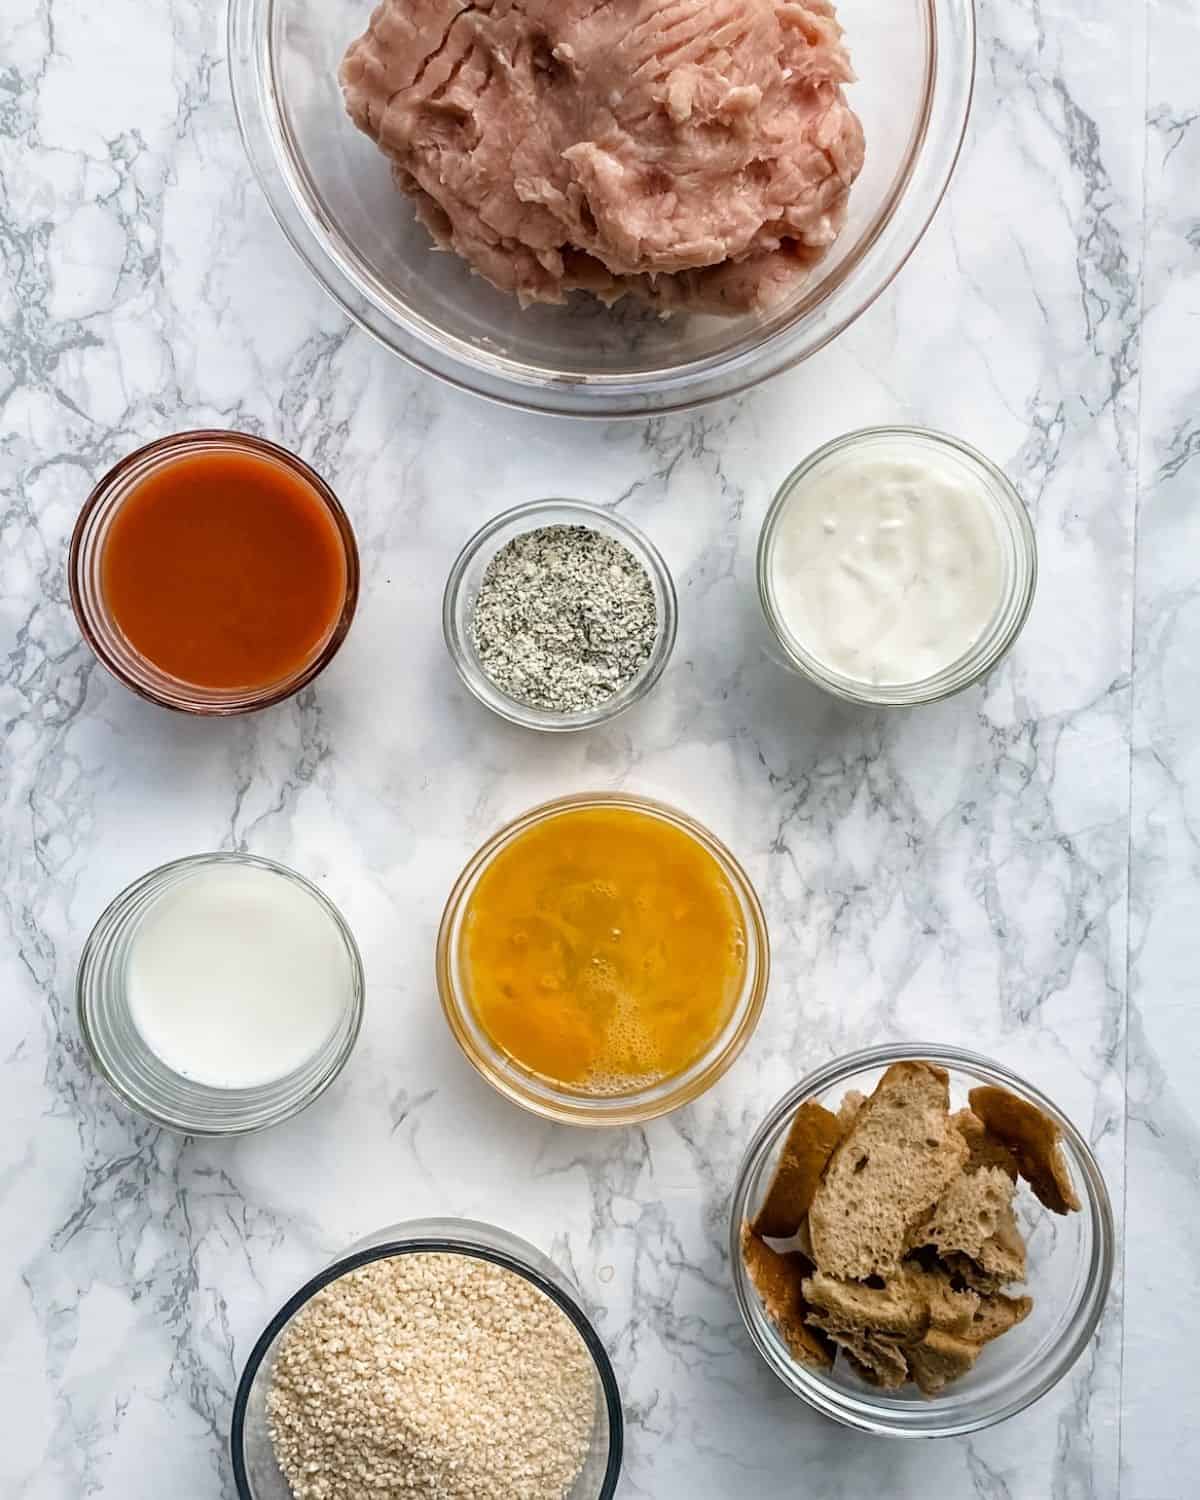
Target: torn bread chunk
(852, 1102)
(895, 1308)
(1003, 1254)
(973, 1276)
(995, 1315)
(1001, 1258)
(987, 1150)
(879, 1360)
(967, 1214)
(1036, 1142)
(951, 1308)
(895, 1163)
(810, 1141)
(904, 1307)
(779, 1281)
(940, 1358)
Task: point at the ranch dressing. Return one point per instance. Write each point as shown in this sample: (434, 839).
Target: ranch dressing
(237, 976)
(887, 564)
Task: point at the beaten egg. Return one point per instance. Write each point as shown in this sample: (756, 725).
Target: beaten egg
(603, 949)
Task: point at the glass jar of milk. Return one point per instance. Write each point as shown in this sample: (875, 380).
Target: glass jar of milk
(219, 994)
(896, 566)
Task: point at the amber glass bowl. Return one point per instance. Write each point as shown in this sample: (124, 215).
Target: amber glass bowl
(577, 1106)
(100, 630)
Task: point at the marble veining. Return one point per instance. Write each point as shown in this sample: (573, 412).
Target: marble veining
(1014, 869)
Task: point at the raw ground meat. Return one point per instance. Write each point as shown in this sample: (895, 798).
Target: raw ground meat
(696, 153)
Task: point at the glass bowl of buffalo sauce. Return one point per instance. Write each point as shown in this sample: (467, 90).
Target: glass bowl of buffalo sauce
(213, 572)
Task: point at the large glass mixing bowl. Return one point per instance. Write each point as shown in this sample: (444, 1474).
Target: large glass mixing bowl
(332, 192)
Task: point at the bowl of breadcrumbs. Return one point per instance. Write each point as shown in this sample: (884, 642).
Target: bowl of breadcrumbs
(440, 1360)
(922, 1242)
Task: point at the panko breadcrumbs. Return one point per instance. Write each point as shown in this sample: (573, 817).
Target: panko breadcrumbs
(431, 1377)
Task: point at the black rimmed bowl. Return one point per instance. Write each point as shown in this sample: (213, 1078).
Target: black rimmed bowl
(257, 1474)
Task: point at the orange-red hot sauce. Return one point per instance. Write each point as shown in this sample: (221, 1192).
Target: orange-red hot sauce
(225, 570)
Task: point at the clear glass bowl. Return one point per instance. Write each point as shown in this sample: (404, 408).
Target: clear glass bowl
(1070, 1268)
(462, 589)
(572, 1106)
(1013, 528)
(331, 190)
(256, 1473)
(100, 630)
(139, 1077)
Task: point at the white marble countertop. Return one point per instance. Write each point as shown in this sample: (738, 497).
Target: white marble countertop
(1015, 869)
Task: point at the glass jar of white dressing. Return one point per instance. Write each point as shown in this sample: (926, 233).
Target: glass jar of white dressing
(896, 566)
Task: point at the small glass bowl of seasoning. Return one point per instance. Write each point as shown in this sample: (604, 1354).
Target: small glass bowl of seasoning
(559, 615)
(213, 572)
(896, 566)
(220, 994)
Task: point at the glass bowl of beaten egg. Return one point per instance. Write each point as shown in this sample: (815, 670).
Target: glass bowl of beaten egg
(602, 960)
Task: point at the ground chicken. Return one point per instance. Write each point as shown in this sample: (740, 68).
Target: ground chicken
(697, 153)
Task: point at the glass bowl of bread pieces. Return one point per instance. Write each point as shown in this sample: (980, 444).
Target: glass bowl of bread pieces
(922, 1243)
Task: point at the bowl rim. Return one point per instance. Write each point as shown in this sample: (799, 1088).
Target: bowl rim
(887, 244)
(431, 1244)
(600, 1112)
(563, 511)
(860, 1411)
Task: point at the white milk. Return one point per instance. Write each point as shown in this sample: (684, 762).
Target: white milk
(887, 564)
(237, 976)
